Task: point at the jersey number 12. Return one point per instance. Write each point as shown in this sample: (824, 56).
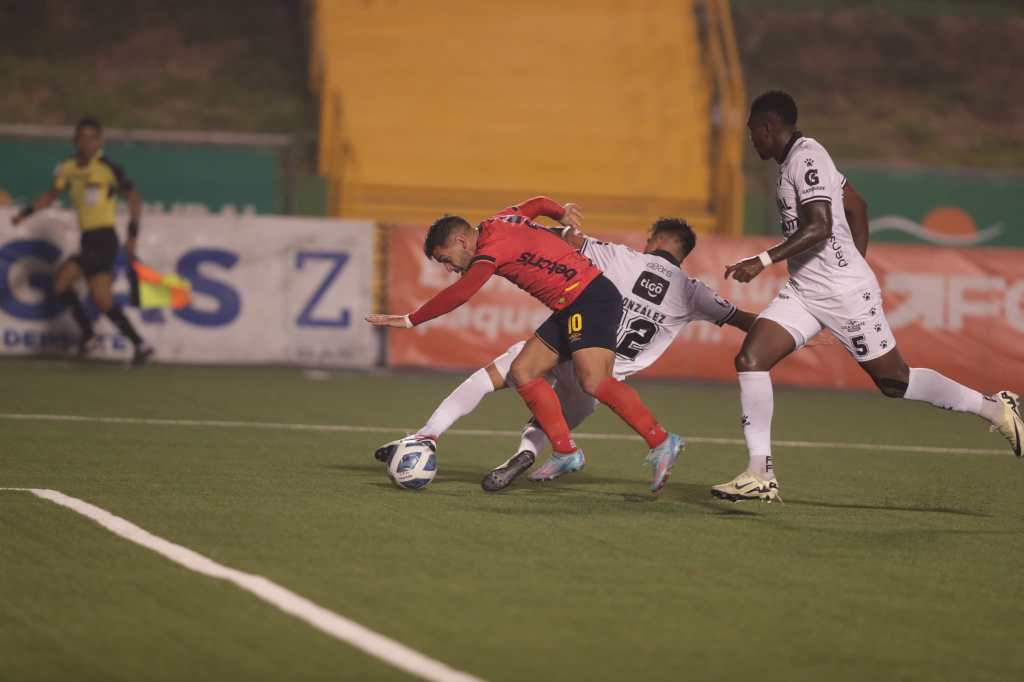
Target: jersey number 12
(640, 333)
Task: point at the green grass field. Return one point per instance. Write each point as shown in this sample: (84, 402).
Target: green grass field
(881, 565)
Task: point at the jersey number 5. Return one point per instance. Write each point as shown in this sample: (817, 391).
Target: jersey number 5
(859, 346)
(641, 332)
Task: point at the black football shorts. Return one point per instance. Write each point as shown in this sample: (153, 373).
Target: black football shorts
(591, 321)
(98, 251)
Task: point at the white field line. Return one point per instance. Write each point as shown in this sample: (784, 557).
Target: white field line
(337, 626)
(345, 428)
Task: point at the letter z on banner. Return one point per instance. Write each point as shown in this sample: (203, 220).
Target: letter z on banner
(264, 289)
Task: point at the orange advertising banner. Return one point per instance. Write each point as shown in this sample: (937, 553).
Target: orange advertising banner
(958, 311)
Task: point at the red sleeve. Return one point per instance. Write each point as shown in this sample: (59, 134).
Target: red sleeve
(455, 295)
(531, 208)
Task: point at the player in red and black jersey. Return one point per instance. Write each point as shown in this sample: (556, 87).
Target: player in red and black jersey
(586, 310)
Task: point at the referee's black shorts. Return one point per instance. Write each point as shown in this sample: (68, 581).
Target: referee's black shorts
(98, 251)
(591, 321)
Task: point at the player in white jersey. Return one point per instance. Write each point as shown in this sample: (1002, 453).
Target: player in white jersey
(659, 300)
(831, 286)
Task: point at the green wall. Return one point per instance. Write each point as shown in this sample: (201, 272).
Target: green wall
(239, 178)
(944, 207)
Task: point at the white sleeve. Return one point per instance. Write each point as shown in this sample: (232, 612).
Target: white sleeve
(605, 253)
(812, 176)
(706, 304)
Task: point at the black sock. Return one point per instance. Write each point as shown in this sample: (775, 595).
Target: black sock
(77, 312)
(116, 316)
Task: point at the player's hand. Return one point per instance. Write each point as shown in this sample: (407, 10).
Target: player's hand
(745, 270)
(573, 235)
(398, 321)
(573, 216)
(129, 246)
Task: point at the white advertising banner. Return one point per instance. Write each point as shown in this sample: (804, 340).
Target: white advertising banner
(264, 289)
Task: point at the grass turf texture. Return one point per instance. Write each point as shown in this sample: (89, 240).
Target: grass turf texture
(880, 565)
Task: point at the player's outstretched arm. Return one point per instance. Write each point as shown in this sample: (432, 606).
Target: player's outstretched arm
(574, 237)
(569, 214)
(741, 319)
(396, 321)
(571, 235)
(856, 209)
(134, 217)
(814, 225)
(42, 201)
(444, 302)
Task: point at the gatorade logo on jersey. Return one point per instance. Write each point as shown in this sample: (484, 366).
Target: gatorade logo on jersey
(651, 288)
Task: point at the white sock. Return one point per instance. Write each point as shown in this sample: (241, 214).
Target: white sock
(761, 465)
(534, 439)
(458, 404)
(758, 404)
(931, 387)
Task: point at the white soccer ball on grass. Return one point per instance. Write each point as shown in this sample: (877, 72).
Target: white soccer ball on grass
(414, 463)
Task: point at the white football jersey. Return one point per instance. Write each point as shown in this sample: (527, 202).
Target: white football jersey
(835, 266)
(658, 300)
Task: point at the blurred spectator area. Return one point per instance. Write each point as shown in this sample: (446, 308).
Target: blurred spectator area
(918, 100)
(399, 110)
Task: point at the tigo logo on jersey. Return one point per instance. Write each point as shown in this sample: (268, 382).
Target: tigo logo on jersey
(651, 288)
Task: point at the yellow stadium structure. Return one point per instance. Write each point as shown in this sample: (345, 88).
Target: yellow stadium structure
(631, 109)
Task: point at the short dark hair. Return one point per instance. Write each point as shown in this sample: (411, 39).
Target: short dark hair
(438, 233)
(678, 228)
(89, 122)
(776, 102)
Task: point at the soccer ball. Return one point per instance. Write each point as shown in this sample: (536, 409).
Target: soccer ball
(414, 463)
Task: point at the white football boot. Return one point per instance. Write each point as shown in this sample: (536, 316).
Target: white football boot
(747, 486)
(1012, 424)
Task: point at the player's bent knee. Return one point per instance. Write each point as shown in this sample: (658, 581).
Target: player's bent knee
(589, 384)
(520, 374)
(590, 376)
(746, 361)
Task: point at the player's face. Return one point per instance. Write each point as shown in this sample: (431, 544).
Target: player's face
(88, 141)
(455, 255)
(760, 136)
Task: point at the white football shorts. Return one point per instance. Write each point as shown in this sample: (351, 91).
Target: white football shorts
(855, 318)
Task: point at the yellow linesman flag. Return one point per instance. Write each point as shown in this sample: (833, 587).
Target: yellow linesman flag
(152, 289)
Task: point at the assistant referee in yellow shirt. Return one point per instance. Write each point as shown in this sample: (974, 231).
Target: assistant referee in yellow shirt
(93, 183)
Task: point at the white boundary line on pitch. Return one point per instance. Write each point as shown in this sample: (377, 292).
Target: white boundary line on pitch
(337, 626)
(344, 428)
